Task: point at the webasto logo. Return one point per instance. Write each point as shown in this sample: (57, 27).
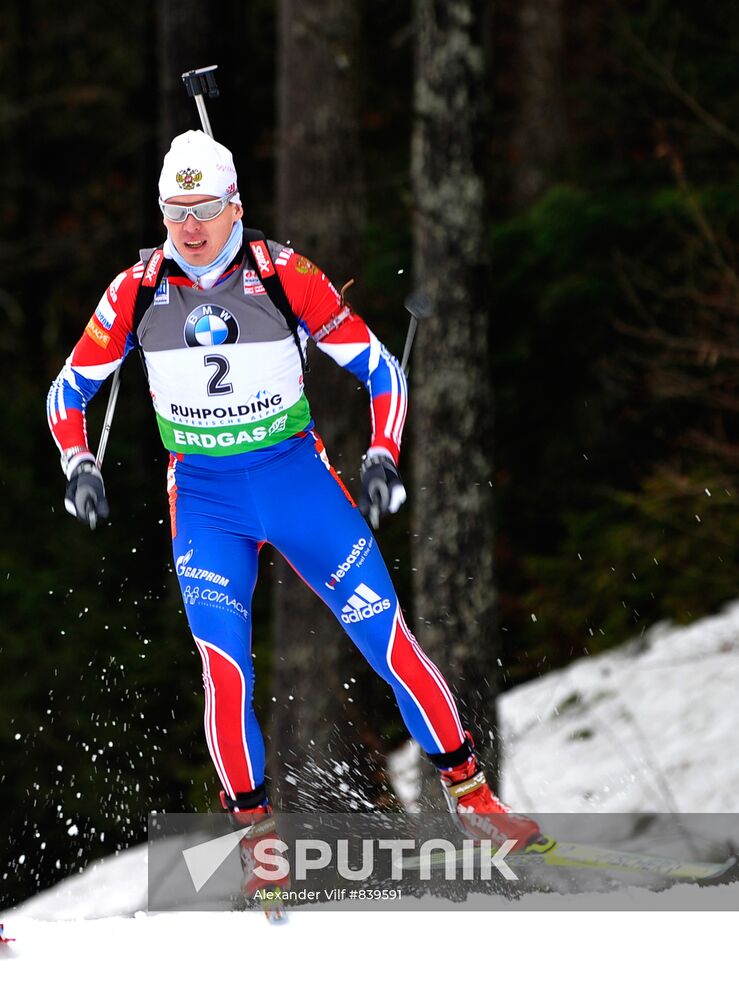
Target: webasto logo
(344, 567)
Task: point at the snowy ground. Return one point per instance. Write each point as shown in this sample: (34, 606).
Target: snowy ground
(638, 729)
(647, 727)
(650, 728)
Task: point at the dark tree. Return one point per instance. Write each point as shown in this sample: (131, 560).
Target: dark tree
(451, 391)
(320, 209)
(540, 131)
(179, 49)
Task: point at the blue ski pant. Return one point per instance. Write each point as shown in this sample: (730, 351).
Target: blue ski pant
(222, 513)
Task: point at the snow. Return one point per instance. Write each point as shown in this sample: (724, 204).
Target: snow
(328, 956)
(647, 727)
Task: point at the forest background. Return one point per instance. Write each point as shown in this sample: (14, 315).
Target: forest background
(602, 404)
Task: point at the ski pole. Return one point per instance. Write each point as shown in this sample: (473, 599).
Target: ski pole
(105, 433)
(420, 306)
(199, 84)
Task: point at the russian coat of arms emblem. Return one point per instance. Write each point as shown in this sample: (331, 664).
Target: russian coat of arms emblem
(188, 179)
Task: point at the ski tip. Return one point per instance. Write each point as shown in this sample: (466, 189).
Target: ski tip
(721, 869)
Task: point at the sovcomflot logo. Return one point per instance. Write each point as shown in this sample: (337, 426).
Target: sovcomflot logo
(210, 326)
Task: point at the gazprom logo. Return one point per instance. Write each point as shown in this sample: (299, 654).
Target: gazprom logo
(210, 326)
(182, 561)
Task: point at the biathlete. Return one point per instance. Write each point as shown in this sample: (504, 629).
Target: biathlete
(226, 319)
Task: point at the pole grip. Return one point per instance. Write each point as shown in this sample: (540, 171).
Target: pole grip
(199, 84)
(201, 81)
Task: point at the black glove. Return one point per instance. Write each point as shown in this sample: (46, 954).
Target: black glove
(382, 491)
(85, 496)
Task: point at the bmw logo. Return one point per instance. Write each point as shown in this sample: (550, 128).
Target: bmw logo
(210, 326)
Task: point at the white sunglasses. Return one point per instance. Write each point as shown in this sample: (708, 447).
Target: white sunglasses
(203, 211)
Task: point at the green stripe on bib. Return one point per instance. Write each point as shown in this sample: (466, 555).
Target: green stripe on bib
(236, 438)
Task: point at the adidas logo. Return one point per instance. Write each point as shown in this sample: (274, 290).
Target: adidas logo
(364, 603)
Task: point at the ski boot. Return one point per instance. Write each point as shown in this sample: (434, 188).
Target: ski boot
(478, 812)
(253, 813)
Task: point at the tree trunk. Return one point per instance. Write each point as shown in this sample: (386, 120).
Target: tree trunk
(451, 392)
(540, 137)
(320, 203)
(187, 40)
(180, 44)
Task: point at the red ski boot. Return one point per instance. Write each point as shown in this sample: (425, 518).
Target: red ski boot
(259, 829)
(480, 814)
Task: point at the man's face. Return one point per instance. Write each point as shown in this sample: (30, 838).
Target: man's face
(201, 242)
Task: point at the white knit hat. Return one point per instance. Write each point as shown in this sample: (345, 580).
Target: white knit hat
(197, 164)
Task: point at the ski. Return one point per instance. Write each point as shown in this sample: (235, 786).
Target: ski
(3, 938)
(271, 908)
(563, 854)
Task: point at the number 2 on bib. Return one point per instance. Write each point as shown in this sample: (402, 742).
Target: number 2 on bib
(216, 385)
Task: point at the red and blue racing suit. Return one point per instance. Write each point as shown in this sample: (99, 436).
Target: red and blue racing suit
(246, 468)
